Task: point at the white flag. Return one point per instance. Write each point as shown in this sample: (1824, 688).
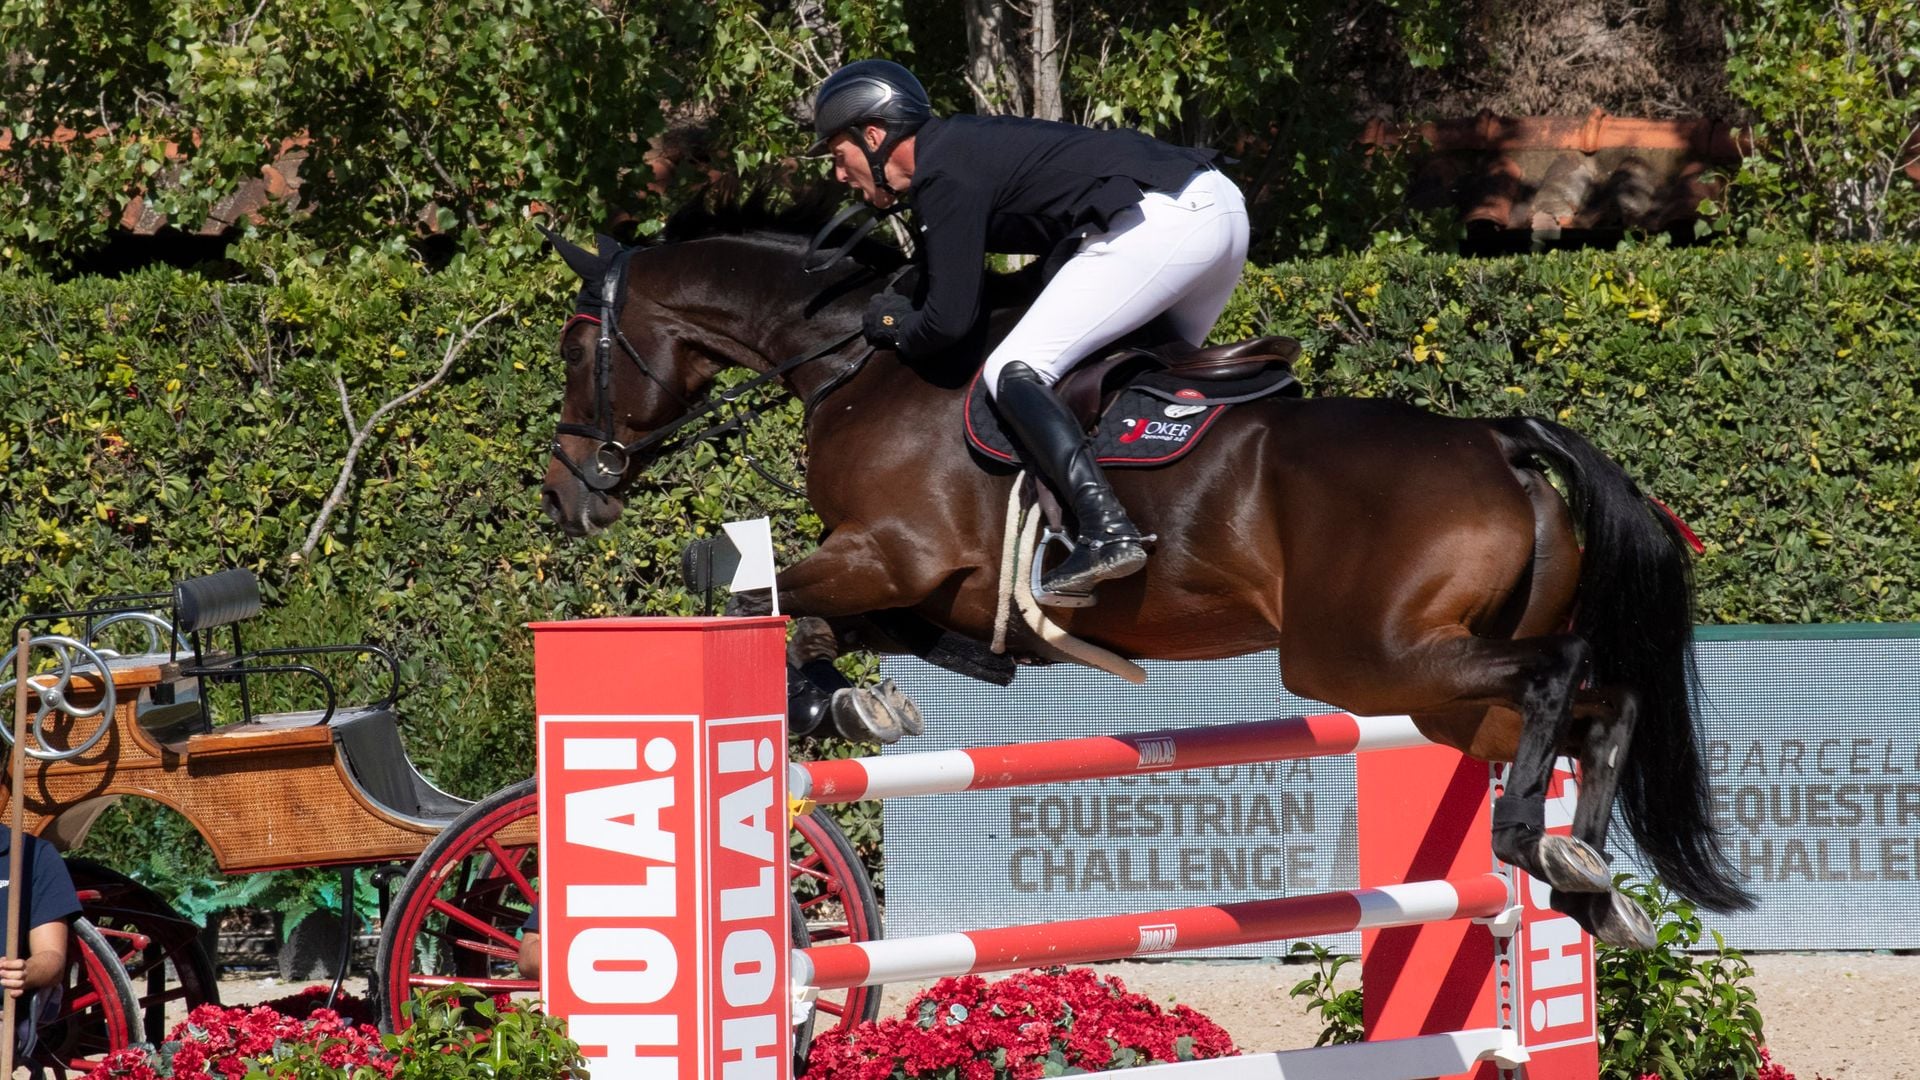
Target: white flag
(754, 540)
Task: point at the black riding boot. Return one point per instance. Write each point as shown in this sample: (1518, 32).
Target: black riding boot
(1107, 544)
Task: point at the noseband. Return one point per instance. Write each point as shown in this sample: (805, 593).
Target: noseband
(607, 466)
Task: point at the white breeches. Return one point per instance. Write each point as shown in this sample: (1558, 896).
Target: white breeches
(1178, 254)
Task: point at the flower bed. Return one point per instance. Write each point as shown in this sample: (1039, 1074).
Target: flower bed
(1025, 1026)
(218, 1043)
(456, 1034)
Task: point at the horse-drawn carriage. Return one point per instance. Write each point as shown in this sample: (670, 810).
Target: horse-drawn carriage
(327, 786)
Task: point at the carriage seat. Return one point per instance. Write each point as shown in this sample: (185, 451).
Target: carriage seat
(1086, 388)
(370, 747)
(367, 740)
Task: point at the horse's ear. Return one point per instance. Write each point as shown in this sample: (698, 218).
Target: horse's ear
(609, 247)
(586, 264)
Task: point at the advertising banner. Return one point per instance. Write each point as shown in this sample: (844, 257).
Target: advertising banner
(1811, 737)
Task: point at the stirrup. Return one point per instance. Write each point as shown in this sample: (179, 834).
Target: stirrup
(1041, 596)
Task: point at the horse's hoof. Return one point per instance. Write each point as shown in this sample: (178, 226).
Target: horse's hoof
(751, 602)
(861, 716)
(812, 640)
(902, 708)
(1611, 917)
(1571, 865)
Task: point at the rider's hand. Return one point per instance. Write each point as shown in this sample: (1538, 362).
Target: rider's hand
(13, 976)
(886, 317)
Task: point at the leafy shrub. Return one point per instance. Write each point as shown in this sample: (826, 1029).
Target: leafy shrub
(459, 1034)
(1680, 1010)
(1835, 92)
(1341, 1012)
(1028, 1025)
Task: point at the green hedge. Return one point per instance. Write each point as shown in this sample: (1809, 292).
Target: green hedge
(1768, 396)
(162, 425)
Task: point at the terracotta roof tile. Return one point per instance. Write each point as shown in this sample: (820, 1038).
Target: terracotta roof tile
(278, 182)
(1546, 174)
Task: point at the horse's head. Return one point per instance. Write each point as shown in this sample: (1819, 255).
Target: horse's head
(653, 326)
(634, 366)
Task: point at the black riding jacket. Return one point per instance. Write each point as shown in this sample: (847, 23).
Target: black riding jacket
(1018, 187)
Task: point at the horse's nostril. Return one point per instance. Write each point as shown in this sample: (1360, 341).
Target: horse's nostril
(550, 504)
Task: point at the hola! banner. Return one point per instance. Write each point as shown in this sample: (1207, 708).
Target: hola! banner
(665, 936)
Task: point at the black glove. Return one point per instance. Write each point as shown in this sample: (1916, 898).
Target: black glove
(886, 318)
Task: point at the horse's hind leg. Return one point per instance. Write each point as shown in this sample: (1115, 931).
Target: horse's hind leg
(1546, 696)
(1607, 718)
(1452, 681)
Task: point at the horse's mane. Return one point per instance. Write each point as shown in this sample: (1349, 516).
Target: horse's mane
(756, 210)
(792, 217)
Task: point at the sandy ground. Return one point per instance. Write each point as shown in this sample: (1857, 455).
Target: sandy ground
(1842, 1016)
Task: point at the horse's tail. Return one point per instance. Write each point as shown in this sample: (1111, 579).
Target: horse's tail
(1635, 608)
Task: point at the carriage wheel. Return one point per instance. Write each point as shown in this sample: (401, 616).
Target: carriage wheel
(98, 1011)
(836, 899)
(153, 941)
(457, 916)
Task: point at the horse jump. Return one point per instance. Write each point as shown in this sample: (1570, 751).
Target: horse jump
(703, 989)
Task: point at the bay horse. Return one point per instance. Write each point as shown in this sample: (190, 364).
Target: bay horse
(1400, 561)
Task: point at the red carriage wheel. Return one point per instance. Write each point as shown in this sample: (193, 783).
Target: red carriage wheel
(457, 916)
(835, 895)
(159, 947)
(98, 1011)
(832, 902)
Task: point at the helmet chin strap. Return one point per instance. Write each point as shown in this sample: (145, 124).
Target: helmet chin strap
(877, 157)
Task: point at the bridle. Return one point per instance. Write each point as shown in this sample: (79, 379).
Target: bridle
(607, 466)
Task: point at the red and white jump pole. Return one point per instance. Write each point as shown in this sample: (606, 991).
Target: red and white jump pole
(985, 768)
(666, 943)
(1148, 933)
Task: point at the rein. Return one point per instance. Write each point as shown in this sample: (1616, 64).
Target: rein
(608, 465)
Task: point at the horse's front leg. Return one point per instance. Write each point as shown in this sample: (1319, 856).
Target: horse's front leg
(847, 576)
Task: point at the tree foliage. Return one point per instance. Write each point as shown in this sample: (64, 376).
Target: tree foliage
(463, 116)
(1834, 86)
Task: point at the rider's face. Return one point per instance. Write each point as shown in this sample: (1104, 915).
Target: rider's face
(850, 167)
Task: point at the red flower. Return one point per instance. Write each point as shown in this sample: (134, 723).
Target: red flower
(1008, 1030)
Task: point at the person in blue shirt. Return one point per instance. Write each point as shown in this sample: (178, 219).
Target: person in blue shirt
(48, 905)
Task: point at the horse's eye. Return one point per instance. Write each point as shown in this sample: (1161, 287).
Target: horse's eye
(574, 352)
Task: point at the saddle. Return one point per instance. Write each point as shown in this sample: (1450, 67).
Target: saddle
(1150, 405)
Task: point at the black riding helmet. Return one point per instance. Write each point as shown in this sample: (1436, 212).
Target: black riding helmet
(870, 92)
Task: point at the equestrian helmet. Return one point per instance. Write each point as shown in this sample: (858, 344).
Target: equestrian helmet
(869, 92)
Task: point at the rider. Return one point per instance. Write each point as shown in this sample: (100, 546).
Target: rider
(1138, 229)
